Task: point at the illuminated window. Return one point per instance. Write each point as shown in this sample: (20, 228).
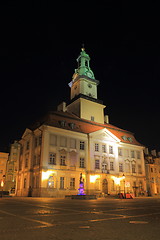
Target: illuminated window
(61, 182)
(97, 165)
(138, 155)
(63, 160)
(81, 145)
(119, 151)
(120, 167)
(81, 163)
(110, 149)
(132, 154)
(133, 168)
(52, 158)
(104, 148)
(111, 166)
(72, 183)
(51, 182)
(96, 147)
(127, 167)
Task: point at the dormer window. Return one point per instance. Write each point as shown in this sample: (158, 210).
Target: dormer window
(62, 123)
(72, 125)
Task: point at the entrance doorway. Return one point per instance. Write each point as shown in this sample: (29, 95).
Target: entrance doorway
(105, 186)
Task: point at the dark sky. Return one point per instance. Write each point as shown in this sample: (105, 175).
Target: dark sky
(38, 51)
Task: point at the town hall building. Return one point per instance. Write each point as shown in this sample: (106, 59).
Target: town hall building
(78, 140)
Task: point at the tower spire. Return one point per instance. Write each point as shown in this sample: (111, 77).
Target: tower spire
(83, 49)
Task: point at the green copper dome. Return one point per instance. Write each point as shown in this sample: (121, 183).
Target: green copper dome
(83, 66)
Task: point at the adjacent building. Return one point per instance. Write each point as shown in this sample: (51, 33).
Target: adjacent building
(152, 164)
(12, 167)
(78, 140)
(3, 164)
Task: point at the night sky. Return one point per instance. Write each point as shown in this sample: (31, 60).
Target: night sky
(38, 51)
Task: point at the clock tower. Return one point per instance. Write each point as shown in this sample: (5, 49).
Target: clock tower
(84, 102)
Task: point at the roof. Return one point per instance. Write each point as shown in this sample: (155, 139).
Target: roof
(73, 123)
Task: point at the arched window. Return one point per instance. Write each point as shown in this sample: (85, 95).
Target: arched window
(51, 182)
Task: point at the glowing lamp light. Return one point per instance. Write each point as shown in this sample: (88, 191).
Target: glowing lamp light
(45, 175)
(2, 183)
(93, 178)
(117, 179)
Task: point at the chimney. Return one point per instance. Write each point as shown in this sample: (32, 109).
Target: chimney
(106, 119)
(62, 107)
(146, 151)
(153, 152)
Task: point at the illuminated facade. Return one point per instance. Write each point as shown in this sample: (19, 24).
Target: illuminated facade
(3, 163)
(12, 167)
(152, 163)
(77, 140)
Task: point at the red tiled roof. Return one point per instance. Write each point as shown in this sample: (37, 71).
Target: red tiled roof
(56, 119)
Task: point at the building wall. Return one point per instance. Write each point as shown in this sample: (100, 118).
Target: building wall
(12, 167)
(152, 174)
(58, 157)
(3, 163)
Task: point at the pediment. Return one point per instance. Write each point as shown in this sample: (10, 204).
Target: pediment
(106, 135)
(26, 132)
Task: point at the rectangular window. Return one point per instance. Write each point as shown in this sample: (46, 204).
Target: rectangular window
(104, 148)
(53, 140)
(120, 167)
(110, 149)
(52, 158)
(81, 145)
(119, 151)
(25, 182)
(111, 166)
(27, 145)
(133, 168)
(72, 183)
(138, 155)
(139, 169)
(132, 154)
(61, 182)
(81, 163)
(127, 167)
(63, 160)
(34, 160)
(26, 161)
(97, 165)
(92, 118)
(51, 182)
(96, 147)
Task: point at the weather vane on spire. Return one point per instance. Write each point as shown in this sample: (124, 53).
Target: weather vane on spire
(82, 47)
